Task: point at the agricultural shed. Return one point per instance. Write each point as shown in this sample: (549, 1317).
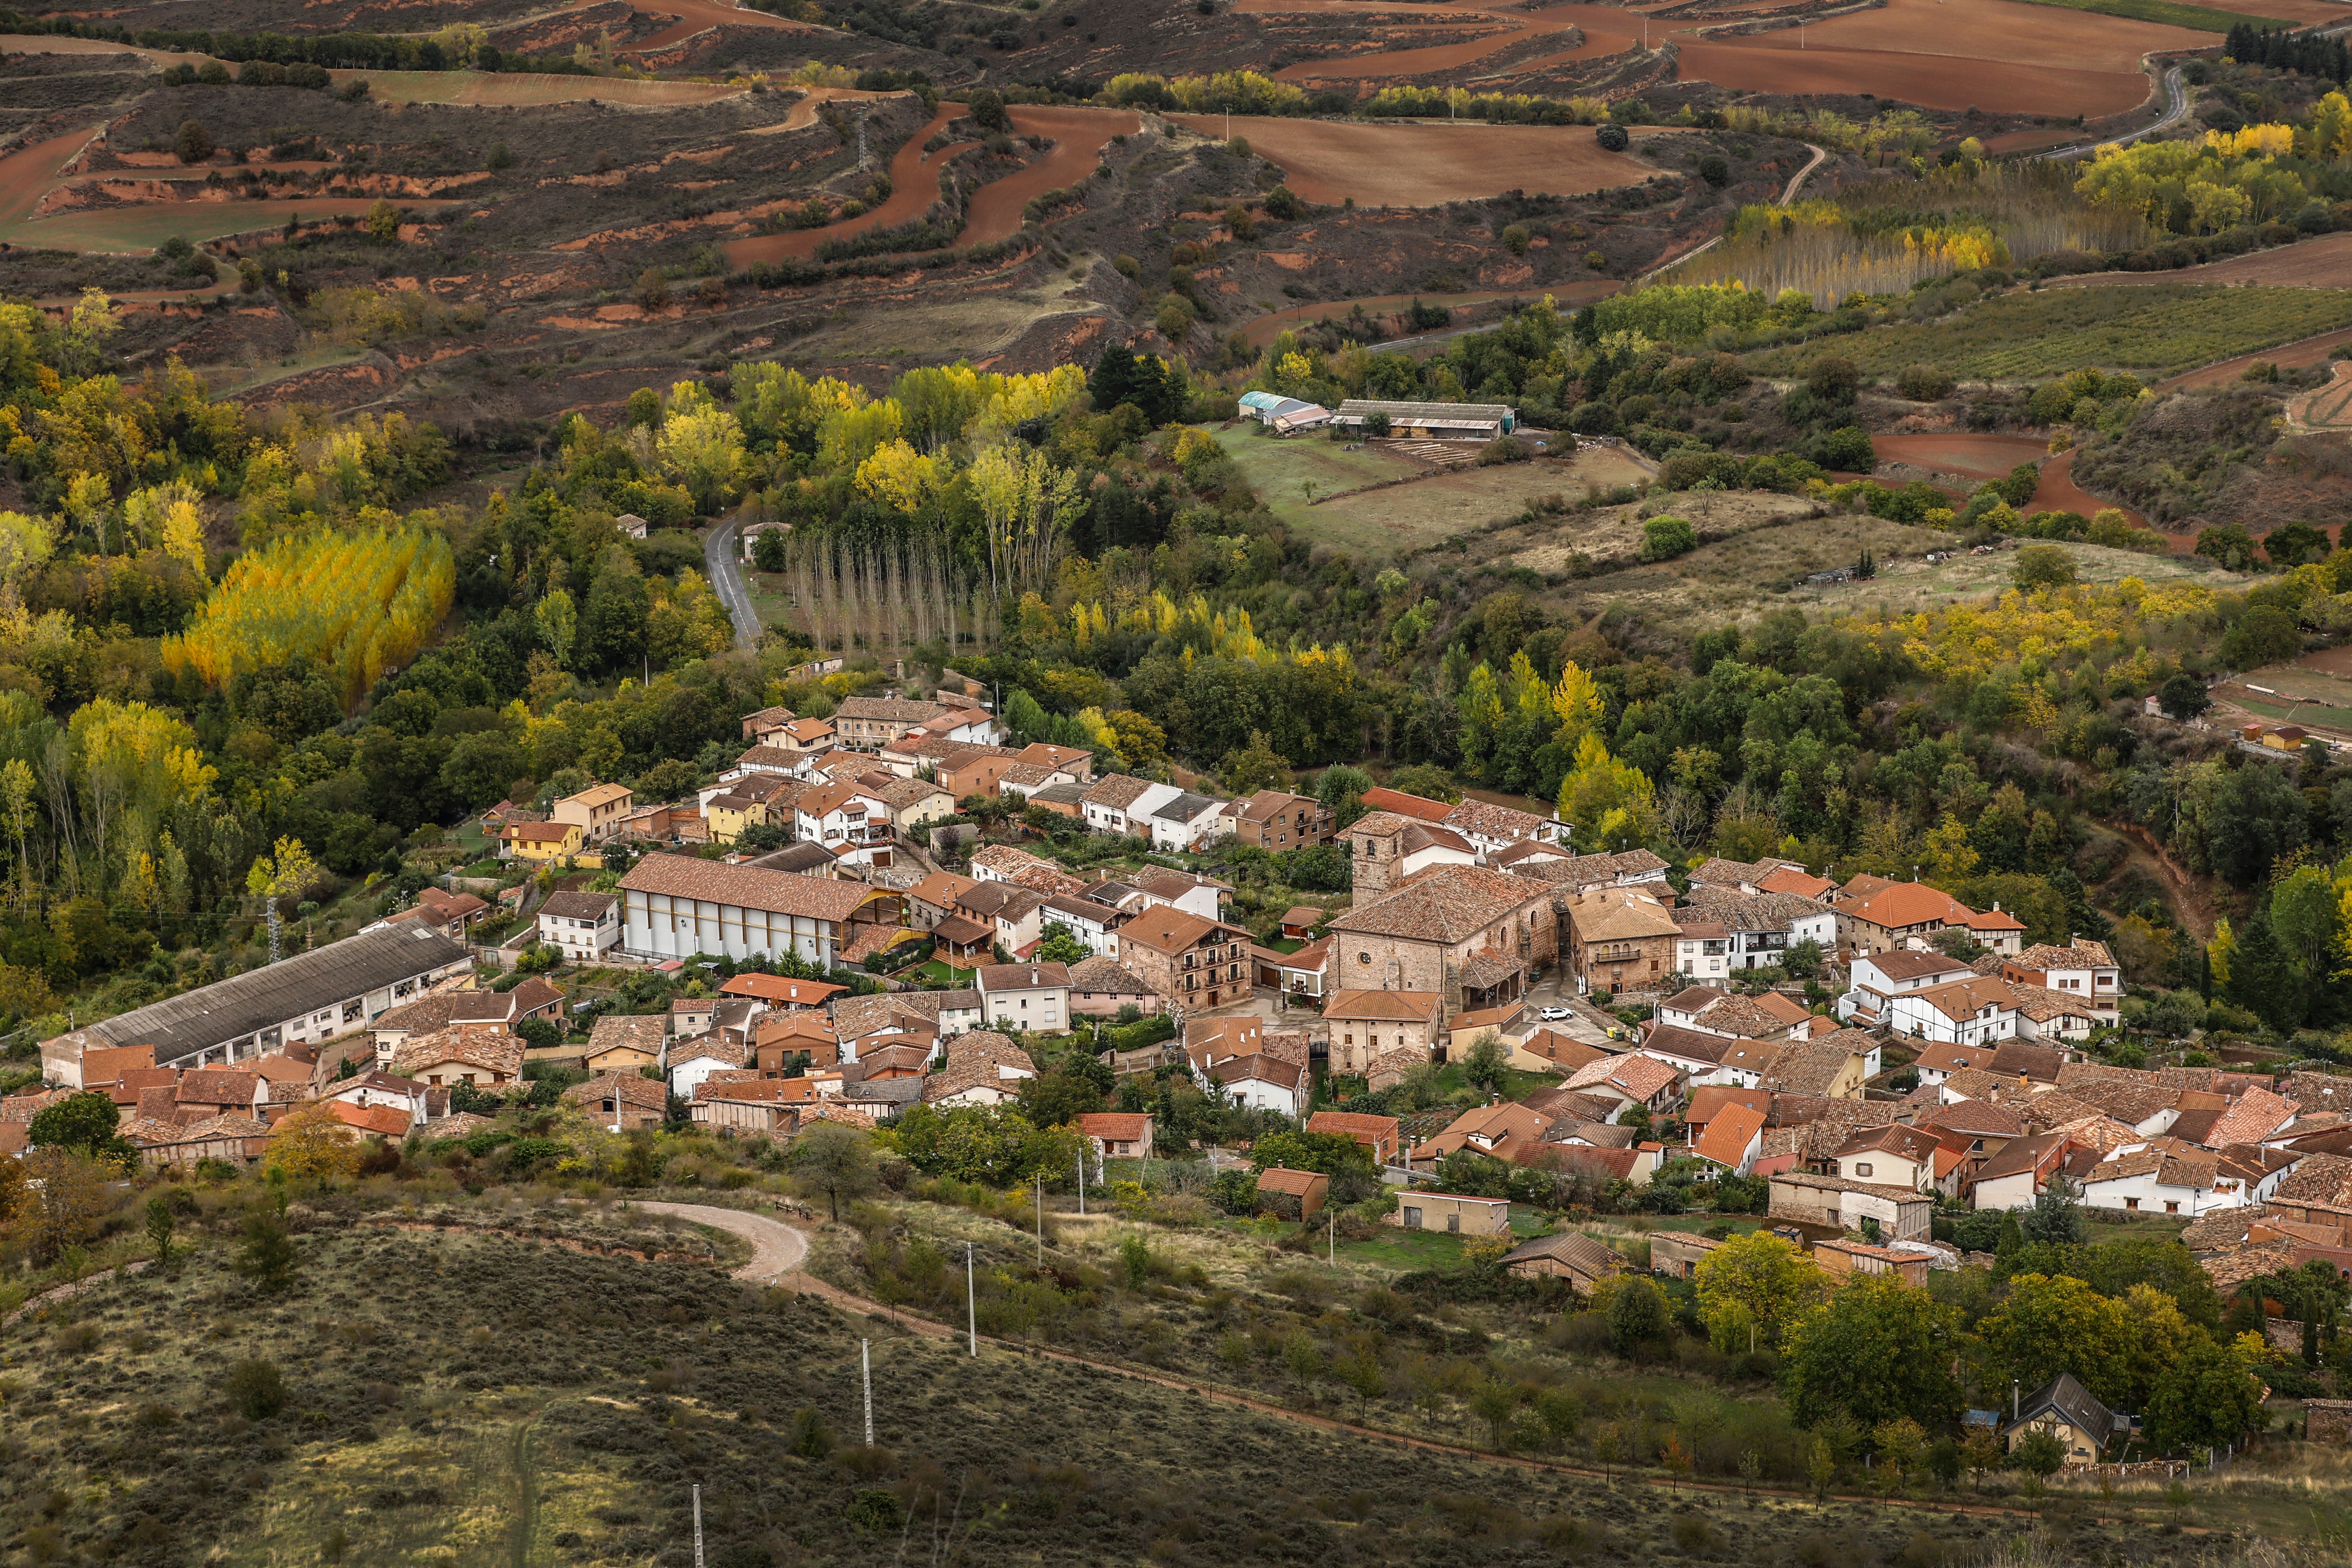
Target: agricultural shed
(1441, 421)
(1283, 414)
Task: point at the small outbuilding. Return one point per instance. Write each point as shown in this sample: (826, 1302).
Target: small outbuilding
(1429, 421)
(1454, 1213)
(1572, 1256)
(1293, 1195)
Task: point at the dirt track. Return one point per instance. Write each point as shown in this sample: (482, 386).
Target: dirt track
(779, 1250)
(1078, 135)
(914, 187)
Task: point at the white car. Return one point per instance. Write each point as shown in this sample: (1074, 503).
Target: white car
(1554, 1015)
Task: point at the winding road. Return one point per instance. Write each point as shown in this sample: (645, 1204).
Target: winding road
(2176, 106)
(779, 1250)
(719, 552)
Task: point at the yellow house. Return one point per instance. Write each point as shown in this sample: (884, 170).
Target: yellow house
(623, 1043)
(541, 843)
(729, 814)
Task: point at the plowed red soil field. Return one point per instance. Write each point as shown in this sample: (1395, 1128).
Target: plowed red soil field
(697, 16)
(1978, 456)
(1078, 135)
(1985, 457)
(2323, 261)
(2012, 32)
(1419, 165)
(914, 186)
(1606, 30)
(27, 175)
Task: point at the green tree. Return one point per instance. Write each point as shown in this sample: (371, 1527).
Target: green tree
(1058, 1098)
(1768, 1279)
(162, 1224)
(1253, 767)
(834, 1160)
(2183, 696)
(1486, 1062)
(2205, 1399)
(1638, 1325)
(1060, 945)
(267, 1255)
(194, 144)
(1327, 1153)
(2048, 1325)
(80, 1123)
(1874, 1350)
(2056, 1216)
(2042, 566)
(2039, 1453)
(1340, 790)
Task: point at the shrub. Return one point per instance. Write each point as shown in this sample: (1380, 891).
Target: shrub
(1515, 239)
(1282, 203)
(1847, 449)
(987, 109)
(2042, 566)
(1596, 261)
(257, 1389)
(1714, 169)
(1663, 538)
(1504, 450)
(1612, 138)
(1924, 383)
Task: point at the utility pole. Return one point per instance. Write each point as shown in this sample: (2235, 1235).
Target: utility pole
(866, 1365)
(697, 1525)
(1041, 1219)
(1331, 1235)
(1082, 1181)
(970, 1307)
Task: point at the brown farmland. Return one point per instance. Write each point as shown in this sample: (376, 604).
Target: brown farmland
(1427, 165)
(914, 186)
(1907, 51)
(1078, 135)
(2323, 261)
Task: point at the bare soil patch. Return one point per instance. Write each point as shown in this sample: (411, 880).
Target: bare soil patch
(1978, 457)
(1931, 81)
(2012, 32)
(1078, 135)
(1422, 165)
(914, 188)
(2323, 261)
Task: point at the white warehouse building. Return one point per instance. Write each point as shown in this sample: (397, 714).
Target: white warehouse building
(675, 906)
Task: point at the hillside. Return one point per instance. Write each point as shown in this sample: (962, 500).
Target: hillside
(483, 1399)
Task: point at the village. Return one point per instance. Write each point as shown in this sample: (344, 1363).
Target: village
(865, 914)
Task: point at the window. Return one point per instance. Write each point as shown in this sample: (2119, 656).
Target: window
(2171, 1208)
(1412, 1218)
(1453, 1222)
(1363, 958)
(2131, 1203)
(1862, 1168)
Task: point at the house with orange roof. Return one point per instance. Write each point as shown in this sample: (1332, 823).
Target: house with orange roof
(1381, 1134)
(1628, 1080)
(1118, 1134)
(1733, 1139)
(781, 992)
(1896, 915)
(371, 1120)
(1363, 1025)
